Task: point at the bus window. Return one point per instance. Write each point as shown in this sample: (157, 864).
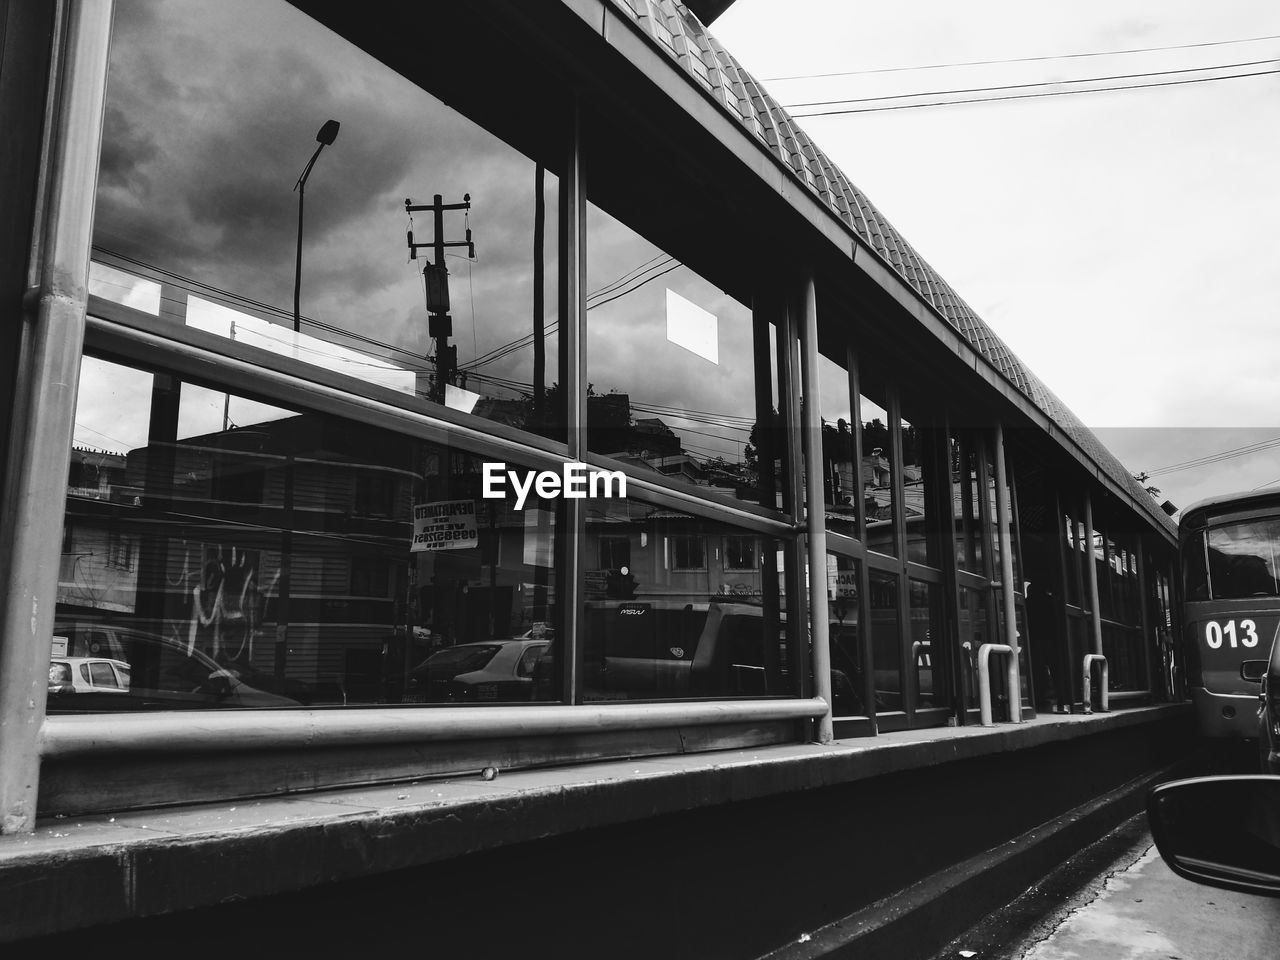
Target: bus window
(1195, 576)
(1242, 561)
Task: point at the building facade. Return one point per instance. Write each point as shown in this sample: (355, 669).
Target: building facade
(848, 505)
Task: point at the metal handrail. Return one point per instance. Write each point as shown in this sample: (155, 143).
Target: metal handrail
(984, 682)
(1104, 703)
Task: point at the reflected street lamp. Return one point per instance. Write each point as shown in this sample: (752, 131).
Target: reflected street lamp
(328, 133)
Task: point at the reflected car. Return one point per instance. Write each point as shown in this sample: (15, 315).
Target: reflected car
(486, 670)
(88, 675)
(162, 674)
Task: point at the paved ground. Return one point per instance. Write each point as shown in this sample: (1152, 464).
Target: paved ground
(1145, 912)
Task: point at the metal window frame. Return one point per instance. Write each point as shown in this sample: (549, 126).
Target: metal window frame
(44, 410)
(59, 306)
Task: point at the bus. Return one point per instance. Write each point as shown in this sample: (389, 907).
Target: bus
(1228, 549)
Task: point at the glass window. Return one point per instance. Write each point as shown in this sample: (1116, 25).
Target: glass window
(973, 634)
(683, 629)
(877, 476)
(1242, 559)
(688, 552)
(886, 650)
(297, 597)
(848, 683)
(1195, 571)
(675, 365)
(920, 481)
(101, 674)
(741, 553)
(213, 176)
(839, 473)
(926, 641)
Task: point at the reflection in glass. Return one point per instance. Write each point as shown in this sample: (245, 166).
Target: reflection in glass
(1242, 559)
(685, 616)
(212, 110)
(672, 364)
(926, 641)
(847, 676)
(967, 504)
(973, 634)
(839, 476)
(878, 473)
(885, 641)
(233, 554)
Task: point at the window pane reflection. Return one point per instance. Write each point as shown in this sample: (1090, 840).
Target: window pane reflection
(839, 478)
(697, 610)
(973, 634)
(672, 362)
(847, 676)
(886, 630)
(212, 113)
(877, 477)
(225, 553)
(926, 641)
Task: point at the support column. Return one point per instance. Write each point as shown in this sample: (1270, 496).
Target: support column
(811, 427)
(52, 338)
(1004, 526)
(1091, 577)
(570, 540)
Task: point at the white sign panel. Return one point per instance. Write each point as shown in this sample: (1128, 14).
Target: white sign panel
(445, 525)
(693, 328)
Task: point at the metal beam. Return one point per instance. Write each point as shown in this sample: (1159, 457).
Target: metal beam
(816, 521)
(45, 395)
(1004, 525)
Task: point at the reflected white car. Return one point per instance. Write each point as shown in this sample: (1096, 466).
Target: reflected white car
(88, 675)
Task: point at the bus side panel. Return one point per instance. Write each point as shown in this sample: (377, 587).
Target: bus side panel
(1220, 635)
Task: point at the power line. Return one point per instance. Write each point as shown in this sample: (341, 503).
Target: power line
(1218, 457)
(986, 63)
(1033, 96)
(1025, 86)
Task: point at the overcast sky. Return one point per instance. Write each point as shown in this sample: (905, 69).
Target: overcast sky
(1123, 244)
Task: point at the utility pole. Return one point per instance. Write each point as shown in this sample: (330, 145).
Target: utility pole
(436, 275)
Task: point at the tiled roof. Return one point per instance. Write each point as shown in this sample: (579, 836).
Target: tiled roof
(679, 33)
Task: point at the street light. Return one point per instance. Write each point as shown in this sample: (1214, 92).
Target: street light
(328, 133)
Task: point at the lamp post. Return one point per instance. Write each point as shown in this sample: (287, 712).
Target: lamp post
(328, 133)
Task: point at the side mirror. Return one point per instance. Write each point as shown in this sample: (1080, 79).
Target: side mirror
(1220, 831)
(1253, 670)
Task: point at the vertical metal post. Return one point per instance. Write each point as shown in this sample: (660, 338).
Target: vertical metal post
(44, 404)
(573, 204)
(1006, 576)
(906, 662)
(793, 497)
(816, 515)
(1150, 643)
(865, 648)
(1091, 575)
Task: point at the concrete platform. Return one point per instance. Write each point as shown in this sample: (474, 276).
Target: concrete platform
(89, 871)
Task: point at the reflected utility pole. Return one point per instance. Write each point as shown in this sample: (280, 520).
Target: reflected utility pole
(436, 275)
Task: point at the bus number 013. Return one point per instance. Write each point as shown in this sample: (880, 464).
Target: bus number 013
(1215, 633)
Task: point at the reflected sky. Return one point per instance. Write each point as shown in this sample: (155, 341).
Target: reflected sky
(212, 113)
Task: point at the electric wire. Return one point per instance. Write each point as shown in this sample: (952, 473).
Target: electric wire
(1026, 86)
(1033, 96)
(1230, 454)
(986, 63)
